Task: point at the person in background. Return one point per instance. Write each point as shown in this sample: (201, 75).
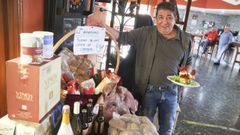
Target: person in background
(160, 51)
(225, 39)
(211, 39)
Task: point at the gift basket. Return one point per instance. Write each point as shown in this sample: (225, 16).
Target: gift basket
(81, 83)
(78, 77)
(129, 124)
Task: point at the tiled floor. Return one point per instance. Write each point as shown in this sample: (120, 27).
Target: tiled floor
(213, 108)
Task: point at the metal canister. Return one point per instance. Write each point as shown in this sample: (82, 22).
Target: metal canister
(47, 43)
(31, 48)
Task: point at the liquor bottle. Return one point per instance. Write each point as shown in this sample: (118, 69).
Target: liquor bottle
(96, 79)
(84, 124)
(99, 122)
(90, 107)
(89, 117)
(75, 119)
(65, 128)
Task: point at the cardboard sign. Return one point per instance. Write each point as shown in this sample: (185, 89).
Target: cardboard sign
(88, 40)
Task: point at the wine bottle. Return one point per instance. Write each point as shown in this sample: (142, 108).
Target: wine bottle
(96, 79)
(90, 100)
(65, 128)
(89, 117)
(84, 124)
(75, 119)
(90, 107)
(99, 122)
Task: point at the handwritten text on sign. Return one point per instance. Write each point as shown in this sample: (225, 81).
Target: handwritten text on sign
(88, 40)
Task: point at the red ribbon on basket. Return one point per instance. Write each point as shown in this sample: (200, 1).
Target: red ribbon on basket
(88, 91)
(72, 86)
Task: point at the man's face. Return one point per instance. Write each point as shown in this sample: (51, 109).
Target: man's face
(214, 29)
(165, 21)
(226, 29)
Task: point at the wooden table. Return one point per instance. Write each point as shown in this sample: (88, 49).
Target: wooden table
(237, 52)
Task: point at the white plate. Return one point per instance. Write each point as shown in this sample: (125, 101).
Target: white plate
(192, 84)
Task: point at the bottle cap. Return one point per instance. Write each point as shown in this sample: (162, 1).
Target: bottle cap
(66, 109)
(90, 100)
(84, 111)
(76, 107)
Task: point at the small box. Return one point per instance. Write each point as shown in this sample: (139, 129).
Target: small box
(20, 127)
(32, 90)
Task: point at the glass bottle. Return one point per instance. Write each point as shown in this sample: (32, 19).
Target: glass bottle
(90, 100)
(84, 124)
(75, 118)
(96, 79)
(65, 128)
(99, 122)
(89, 117)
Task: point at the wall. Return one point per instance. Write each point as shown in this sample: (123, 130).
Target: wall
(16, 16)
(220, 20)
(2, 63)
(213, 4)
(234, 22)
(32, 15)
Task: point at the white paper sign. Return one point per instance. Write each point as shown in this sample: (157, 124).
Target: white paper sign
(88, 40)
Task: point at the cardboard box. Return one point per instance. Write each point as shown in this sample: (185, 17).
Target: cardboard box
(20, 127)
(32, 90)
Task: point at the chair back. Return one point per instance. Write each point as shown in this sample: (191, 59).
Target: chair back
(143, 20)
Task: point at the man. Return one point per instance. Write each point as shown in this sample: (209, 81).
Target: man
(225, 39)
(211, 39)
(161, 50)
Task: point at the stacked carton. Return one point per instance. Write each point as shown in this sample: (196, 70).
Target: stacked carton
(33, 80)
(32, 90)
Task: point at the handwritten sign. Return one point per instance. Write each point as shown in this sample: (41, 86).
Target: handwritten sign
(88, 40)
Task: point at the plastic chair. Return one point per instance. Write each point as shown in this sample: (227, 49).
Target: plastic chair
(210, 49)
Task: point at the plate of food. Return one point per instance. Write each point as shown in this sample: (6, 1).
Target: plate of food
(184, 79)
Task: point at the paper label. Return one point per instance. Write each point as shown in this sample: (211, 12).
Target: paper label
(88, 40)
(49, 86)
(95, 109)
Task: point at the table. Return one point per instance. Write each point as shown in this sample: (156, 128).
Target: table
(194, 36)
(237, 46)
(49, 126)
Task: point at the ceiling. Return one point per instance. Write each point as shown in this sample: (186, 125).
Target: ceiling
(225, 12)
(222, 7)
(213, 4)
